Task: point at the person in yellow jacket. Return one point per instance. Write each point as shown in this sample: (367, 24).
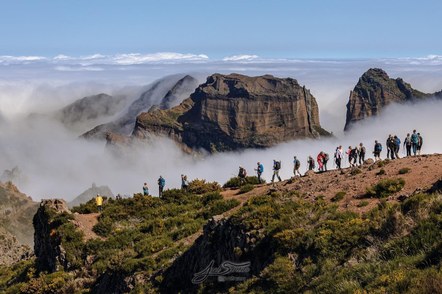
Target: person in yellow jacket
(99, 202)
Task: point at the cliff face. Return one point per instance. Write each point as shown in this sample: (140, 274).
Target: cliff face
(49, 252)
(222, 241)
(16, 211)
(162, 94)
(374, 91)
(231, 112)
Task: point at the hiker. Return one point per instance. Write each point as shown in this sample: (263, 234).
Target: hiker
(339, 154)
(361, 153)
(242, 174)
(325, 158)
(118, 197)
(259, 170)
(296, 166)
(348, 152)
(276, 168)
(391, 145)
(353, 156)
(99, 202)
(184, 183)
(414, 142)
(387, 143)
(161, 184)
(145, 190)
(319, 159)
(377, 150)
(407, 144)
(397, 146)
(310, 163)
(420, 141)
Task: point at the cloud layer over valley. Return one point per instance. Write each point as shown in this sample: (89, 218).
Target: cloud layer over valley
(55, 163)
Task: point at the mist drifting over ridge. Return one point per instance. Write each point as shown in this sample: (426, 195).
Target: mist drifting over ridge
(55, 163)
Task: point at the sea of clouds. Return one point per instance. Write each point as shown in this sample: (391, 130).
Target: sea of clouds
(55, 163)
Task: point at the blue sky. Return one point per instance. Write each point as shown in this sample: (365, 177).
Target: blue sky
(273, 29)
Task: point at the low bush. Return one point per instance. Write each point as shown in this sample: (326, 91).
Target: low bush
(246, 188)
(199, 187)
(385, 188)
(235, 182)
(338, 196)
(404, 170)
(381, 172)
(355, 171)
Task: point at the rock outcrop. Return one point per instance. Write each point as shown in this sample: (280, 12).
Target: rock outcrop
(222, 241)
(375, 90)
(230, 112)
(16, 212)
(90, 194)
(11, 250)
(90, 109)
(49, 252)
(162, 94)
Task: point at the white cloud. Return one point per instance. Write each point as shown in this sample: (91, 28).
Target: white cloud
(137, 58)
(78, 68)
(244, 57)
(8, 59)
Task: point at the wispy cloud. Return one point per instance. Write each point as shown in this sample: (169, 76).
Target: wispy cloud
(244, 57)
(78, 68)
(8, 59)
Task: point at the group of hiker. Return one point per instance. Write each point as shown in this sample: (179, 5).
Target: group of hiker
(355, 155)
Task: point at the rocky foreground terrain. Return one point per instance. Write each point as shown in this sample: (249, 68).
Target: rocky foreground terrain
(375, 228)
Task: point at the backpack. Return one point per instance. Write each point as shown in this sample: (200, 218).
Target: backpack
(378, 147)
(297, 163)
(414, 138)
(353, 153)
(363, 150)
(260, 168)
(242, 172)
(326, 157)
(277, 165)
(311, 162)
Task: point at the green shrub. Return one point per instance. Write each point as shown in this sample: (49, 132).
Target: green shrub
(363, 203)
(404, 170)
(211, 197)
(385, 188)
(199, 187)
(246, 188)
(338, 196)
(381, 172)
(235, 182)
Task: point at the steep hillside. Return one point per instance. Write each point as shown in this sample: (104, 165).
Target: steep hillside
(162, 94)
(234, 111)
(16, 212)
(375, 90)
(372, 229)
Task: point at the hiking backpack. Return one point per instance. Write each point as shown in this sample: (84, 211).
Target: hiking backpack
(277, 165)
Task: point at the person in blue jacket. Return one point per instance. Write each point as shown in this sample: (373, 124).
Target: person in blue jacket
(161, 184)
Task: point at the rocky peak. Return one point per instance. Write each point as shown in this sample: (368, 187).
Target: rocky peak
(375, 90)
(49, 252)
(230, 112)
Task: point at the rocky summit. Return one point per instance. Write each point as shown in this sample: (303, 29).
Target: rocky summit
(230, 112)
(375, 90)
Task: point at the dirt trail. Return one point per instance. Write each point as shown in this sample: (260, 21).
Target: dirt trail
(424, 172)
(86, 222)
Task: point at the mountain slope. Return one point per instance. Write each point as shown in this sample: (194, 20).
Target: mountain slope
(161, 94)
(234, 111)
(16, 212)
(375, 90)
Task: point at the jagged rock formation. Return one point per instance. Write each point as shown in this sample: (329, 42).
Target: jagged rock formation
(48, 249)
(230, 112)
(222, 240)
(13, 175)
(374, 91)
(90, 194)
(16, 212)
(161, 94)
(11, 250)
(90, 109)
